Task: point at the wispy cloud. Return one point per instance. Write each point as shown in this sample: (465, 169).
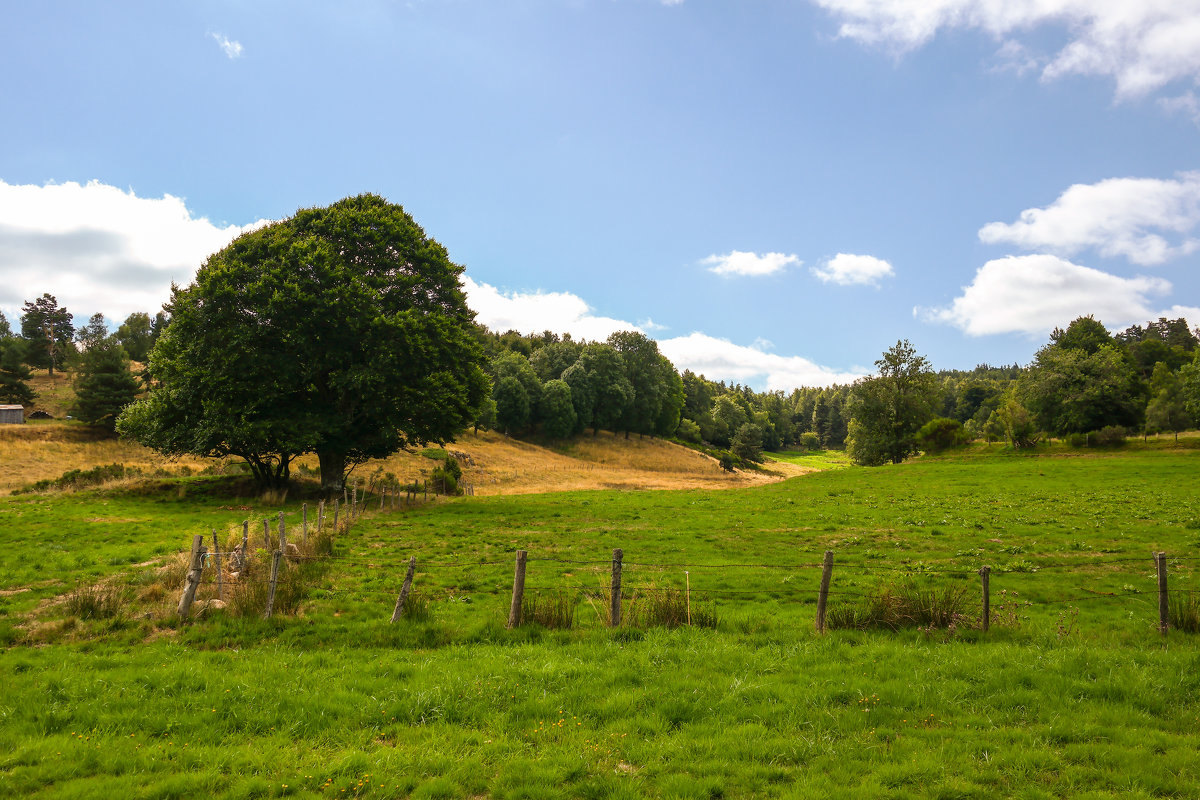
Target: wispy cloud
(232, 49)
(1142, 44)
(742, 263)
(1129, 217)
(846, 269)
(1034, 294)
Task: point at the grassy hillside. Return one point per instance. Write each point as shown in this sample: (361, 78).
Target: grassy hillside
(1072, 692)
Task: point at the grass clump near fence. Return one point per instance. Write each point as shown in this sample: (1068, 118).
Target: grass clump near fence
(1183, 612)
(96, 601)
(554, 610)
(904, 605)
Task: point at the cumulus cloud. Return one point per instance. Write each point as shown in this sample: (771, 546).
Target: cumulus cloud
(718, 359)
(534, 312)
(846, 269)
(1036, 293)
(721, 359)
(98, 248)
(1129, 217)
(231, 48)
(1142, 44)
(740, 263)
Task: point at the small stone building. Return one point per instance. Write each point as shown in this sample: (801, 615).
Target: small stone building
(12, 415)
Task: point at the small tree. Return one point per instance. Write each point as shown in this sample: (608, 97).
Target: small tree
(887, 410)
(747, 443)
(14, 373)
(49, 331)
(1167, 410)
(557, 410)
(940, 434)
(104, 386)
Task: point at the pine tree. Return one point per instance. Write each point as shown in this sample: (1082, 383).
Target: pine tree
(104, 384)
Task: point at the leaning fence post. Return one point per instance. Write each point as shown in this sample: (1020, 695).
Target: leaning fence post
(245, 537)
(985, 574)
(614, 616)
(823, 597)
(404, 590)
(354, 501)
(304, 524)
(282, 533)
(195, 569)
(267, 533)
(514, 611)
(1160, 561)
(335, 515)
(217, 559)
(382, 495)
(274, 579)
(321, 516)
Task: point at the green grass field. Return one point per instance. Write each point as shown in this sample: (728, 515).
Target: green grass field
(1072, 693)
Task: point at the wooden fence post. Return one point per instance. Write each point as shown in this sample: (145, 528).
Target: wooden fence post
(274, 579)
(282, 533)
(335, 515)
(321, 516)
(514, 611)
(823, 597)
(1160, 561)
(985, 574)
(382, 496)
(267, 533)
(354, 502)
(217, 559)
(304, 524)
(404, 590)
(245, 538)
(195, 570)
(614, 616)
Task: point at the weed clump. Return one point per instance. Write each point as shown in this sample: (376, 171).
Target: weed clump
(550, 610)
(95, 602)
(1183, 612)
(905, 605)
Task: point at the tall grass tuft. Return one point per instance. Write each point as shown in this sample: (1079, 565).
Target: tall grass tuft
(1183, 612)
(904, 605)
(548, 609)
(95, 602)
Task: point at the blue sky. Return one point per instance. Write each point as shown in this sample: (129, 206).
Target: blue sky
(776, 190)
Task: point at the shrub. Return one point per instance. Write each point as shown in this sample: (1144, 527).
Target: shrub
(748, 442)
(688, 431)
(727, 462)
(940, 434)
(1077, 439)
(1110, 436)
(81, 478)
(809, 440)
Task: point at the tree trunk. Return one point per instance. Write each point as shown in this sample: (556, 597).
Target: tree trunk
(333, 471)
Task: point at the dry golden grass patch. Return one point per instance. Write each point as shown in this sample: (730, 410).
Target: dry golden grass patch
(43, 450)
(502, 465)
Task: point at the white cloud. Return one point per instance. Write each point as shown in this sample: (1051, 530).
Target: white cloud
(231, 48)
(1130, 217)
(534, 312)
(1034, 294)
(1186, 104)
(740, 263)
(98, 248)
(846, 269)
(1142, 44)
(721, 359)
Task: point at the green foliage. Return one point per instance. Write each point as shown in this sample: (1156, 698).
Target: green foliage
(688, 431)
(1020, 429)
(342, 331)
(96, 601)
(14, 373)
(1167, 409)
(1081, 388)
(747, 443)
(888, 410)
(513, 406)
(82, 478)
(940, 434)
(600, 391)
(104, 386)
(48, 330)
(137, 335)
(904, 605)
(557, 410)
(1110, 436)
(554, 610)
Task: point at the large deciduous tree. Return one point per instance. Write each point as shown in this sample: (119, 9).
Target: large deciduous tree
(887, 410)
(342, 331)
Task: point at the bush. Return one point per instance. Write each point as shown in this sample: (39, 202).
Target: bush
(80, 478)
(809, 440)
(748, 443)
(1077, 439)
(688, 431)
(902, 606)
(1110, 436)
(940, 434)
(445, 478)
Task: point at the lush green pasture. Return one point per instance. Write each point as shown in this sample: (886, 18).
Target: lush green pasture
(1072, 693)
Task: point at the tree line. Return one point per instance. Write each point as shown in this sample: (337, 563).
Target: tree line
(344, 332)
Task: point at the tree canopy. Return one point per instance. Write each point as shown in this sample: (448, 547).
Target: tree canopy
(888, 410)
(342, 331)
